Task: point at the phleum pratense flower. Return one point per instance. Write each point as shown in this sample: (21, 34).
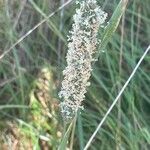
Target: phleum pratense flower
(82, 44)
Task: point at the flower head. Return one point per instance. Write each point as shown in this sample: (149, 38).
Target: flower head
(82, 44)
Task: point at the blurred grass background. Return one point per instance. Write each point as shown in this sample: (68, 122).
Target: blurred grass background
(31, 74)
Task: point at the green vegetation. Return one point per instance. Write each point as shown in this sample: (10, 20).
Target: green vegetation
(31, 74)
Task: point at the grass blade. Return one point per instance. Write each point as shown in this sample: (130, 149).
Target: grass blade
(117, 98)
(113, 23)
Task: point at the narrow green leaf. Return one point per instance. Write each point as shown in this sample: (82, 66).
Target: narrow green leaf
(113, 23)
(64, 141)
(13, 106)
(80, 131)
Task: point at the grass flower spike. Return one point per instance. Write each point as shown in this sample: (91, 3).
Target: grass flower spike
(82, 44)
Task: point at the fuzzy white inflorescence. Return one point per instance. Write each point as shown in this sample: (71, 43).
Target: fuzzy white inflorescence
(82, 44)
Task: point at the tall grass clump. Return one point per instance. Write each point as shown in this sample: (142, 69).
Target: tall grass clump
(34, 51)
